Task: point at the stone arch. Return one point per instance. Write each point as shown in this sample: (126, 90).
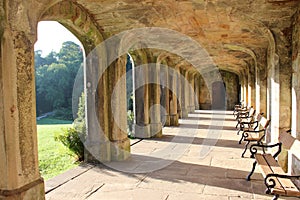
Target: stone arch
(98, 89)
(257, 76)
(77, 20)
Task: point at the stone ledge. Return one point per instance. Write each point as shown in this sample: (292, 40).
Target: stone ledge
(32, 190)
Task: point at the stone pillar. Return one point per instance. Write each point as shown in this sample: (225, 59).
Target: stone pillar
(19, 171)
(245, 85)
(191, 87)
(173, 98)
(263, 91)
(166, 94)
(178, 91)
(257, 90)
(117, 110)
(197, 92)
(141, 126)
(184, 94)
(155, 123)
(97, 144)
(249, 88)
(293, 163)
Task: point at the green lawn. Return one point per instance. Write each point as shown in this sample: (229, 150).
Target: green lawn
(54, 158)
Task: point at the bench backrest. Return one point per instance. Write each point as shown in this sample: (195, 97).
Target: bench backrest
(290, 143)
(264, 122)
(251, 112)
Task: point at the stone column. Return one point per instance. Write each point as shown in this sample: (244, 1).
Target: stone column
(173, 98)
(257, 90)
(191, 87)
(249, 88)
(263, 91)
(166, 94)
(155, 123)
(141, 126)
(197, 92)
(117, 110)
(97, 142)
(19, 171)
(178, 91)
(293, 165)
(184, 94)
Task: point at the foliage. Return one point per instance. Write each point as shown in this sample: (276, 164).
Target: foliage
(54, 157)
(130, 120)
(72, 140)
(55, 75)
(79, 122)
(63, 114)
(73, 137)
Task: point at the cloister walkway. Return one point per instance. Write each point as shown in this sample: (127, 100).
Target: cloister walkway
(200, 159)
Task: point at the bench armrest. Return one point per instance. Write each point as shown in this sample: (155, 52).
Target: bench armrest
(254, 131)
(253, 148)
(250, 123)
(271, 183)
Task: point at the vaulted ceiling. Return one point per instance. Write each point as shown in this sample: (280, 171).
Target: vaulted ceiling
(233, 32)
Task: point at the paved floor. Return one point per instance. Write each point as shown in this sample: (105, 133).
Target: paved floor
(200, 159)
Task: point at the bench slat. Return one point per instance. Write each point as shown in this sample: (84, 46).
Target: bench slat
(253, 137)
(265, 169)
(286, 184)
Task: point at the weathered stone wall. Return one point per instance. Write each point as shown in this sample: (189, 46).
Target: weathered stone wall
(231, 82)
(293, 162)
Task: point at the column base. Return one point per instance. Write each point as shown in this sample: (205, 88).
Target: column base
(33, 190)
(167, 122)
(120, 150)
(141, 131)
(197, 107)
(184, 113)
(106, 151)
(174, 120)
(156, 130)
(97, 151)
(191, 109)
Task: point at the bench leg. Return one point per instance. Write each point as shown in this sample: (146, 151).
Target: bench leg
(240, 142)
(246, 147)
(276, 196)
(252, 171)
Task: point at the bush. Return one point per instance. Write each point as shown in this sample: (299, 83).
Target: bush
(63, 114)
(72, 139)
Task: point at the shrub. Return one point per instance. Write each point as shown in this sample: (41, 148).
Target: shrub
(71, 138)
(63, 114)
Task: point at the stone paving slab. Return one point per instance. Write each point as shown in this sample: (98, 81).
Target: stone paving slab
(173, 168)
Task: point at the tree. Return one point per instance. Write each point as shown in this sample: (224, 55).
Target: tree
(55, 75)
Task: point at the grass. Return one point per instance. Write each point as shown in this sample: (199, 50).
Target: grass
(54, 157)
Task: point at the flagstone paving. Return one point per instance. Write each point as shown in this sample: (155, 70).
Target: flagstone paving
(200, 159)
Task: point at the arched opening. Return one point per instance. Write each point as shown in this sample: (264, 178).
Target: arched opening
(130, 95)
(58, 58)
(218, 95)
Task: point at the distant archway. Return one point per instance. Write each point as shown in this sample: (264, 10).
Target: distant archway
(218, 95)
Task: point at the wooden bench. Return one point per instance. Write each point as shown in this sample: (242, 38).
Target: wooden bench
(240, 109)
(256, 133)
(276, 180)
(246, 119)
